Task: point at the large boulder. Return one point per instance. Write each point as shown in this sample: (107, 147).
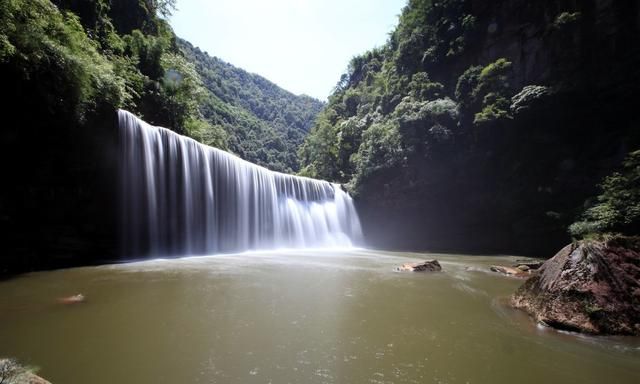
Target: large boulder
(589, 286)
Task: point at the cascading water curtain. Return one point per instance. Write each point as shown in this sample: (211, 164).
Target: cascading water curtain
(180, 197)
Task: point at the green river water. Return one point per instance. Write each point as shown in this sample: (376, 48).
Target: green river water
(334, 316)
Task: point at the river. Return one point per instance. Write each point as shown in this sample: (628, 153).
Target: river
(330, 316)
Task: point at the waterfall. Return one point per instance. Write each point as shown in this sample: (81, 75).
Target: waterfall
(180, 197)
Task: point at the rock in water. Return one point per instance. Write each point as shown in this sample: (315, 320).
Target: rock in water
(13, 373)
(590, 286)
(509, 271)
(425, 266)
(75, 299)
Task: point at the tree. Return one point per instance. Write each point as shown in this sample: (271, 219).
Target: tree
(618, 206)
(163, 8)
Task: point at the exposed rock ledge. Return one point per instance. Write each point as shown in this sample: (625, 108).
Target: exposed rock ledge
(589, 286)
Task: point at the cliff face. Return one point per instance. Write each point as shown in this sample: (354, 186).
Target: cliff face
(514, 183)
(580, 41)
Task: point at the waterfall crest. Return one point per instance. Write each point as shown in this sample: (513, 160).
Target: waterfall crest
(180, 197)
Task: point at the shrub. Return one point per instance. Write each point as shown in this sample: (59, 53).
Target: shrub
(381, 149)
(40, 42)
(618, 206)
(467, 82)
(495, 107)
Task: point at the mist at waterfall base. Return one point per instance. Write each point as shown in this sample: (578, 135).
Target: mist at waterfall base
(180, 197)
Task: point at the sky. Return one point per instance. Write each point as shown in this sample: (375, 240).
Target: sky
(301, 45)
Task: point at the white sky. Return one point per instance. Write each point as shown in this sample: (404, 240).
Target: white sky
(301, 45)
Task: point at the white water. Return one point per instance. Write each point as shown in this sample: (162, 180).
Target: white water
(180, 197)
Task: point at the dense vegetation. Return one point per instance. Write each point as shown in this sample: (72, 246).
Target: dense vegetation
(617, 208)
(264, 123)
(485, 126)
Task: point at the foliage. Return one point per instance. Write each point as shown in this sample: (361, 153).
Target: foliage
(494, 107)
(206, 133)
(264, 124)
(493, 89)
(162, 8)
(618, 206)
(182, 89)
(50, 48)
(79, 62)
(319, 153)
(122, 54)
(431, 33)
(467, 83)
(381, 149)
(422, 88)
(391, 91)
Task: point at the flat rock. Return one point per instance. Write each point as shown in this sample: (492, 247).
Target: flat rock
(589, 286)
(535, 264)
(424, 266)
(510, 271)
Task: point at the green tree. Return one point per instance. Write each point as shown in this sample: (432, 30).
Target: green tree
(618, 206)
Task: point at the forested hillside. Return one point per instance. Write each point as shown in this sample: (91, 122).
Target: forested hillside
(264, 123)
(488, 126)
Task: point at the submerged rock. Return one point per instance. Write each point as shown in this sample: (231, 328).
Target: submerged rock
(511, 271)
(425, 266)
(75, 299)
(526, 265)
(589, 286)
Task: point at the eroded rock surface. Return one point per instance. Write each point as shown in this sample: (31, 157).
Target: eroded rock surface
(589, 286)
(425, 266)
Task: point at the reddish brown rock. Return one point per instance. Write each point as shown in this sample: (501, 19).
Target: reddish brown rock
(425, 266)
(589, 286)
